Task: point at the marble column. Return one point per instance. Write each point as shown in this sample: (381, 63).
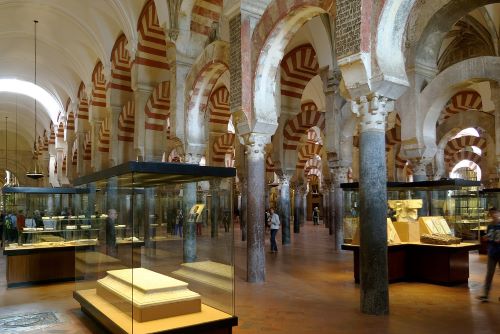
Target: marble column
(189, 199)
(256, 167)
(214, 208)
(374, 285)
(339, 175)
(327, 208)
(243, 208)
(297, 212)
(304, 206)
(285, 208)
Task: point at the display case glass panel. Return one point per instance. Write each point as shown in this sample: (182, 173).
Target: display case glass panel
(165, 252)
(445, 207)
(47, 217)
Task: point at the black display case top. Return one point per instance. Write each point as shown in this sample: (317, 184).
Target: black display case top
(145, 174)
(425, 185)
(43, 190)
(490, 191)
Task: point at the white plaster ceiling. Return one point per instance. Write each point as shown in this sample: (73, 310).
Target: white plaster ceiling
(73, 35)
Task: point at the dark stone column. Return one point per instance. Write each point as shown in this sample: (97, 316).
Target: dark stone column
(256, 167)
(243, 209)
(374, 285)
(304, 206)
(189, 199)
(297, 212)
(285, 208)
(214, 208)
(339, 175)
(327, 214)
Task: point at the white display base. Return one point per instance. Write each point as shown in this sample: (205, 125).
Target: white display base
(89, 263)
(121, 322)
(210, 273)
(147, 294)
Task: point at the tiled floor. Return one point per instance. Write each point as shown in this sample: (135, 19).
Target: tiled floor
(309, 289)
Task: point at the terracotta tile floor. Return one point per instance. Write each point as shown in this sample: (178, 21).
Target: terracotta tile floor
(309, 289)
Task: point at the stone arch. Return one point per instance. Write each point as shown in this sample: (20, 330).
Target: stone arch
(437, 24)
(462, 155)
(104, 135)
(458, 144)
(306, 152)
(298, 67)
(281, 20)
(200, 81)
(389, 40)
(121, 65)
(296, 127)
(462, 101)
(218, 108)
(222, 146)
(98, 98)
(157, 108)
(203, 15)
(126, 122)
(435, 96)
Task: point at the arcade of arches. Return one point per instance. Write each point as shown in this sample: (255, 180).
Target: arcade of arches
(299, 96)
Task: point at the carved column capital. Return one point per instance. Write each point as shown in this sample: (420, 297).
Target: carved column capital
(339, 175)
(255, 145)
(285, 179)
(371, 111)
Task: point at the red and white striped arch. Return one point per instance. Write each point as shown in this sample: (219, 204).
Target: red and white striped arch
(87, 147)
(313, 136)
(121, 65)
(458, 144)
(463, 155)
(60, 131)
(157, 108)
(298, 67)
(462, 101)
(126, 122)
(223, 145)
(298, 126)
(99, 86)
(45, 141)
(312, 164)
(64, 164)
(219, 106)
(204, 84)
(83, 103)
(203, 14)
(152, 47)
(306, 152)
(104, 135)
(70, 123)
(52, 136)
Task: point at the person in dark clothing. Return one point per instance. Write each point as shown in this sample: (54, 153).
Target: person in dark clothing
(111, 232)
(493, 237)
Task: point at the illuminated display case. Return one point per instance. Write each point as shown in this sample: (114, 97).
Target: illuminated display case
(165, 259)
(453, 201)
(56, 224)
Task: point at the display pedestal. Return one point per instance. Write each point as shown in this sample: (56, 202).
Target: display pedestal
(437, 264)
(147, 295)
(27, 266)
(210, 273)
(208, 321)
(408, 232)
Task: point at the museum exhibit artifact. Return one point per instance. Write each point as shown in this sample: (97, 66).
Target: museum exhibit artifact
(144, 276)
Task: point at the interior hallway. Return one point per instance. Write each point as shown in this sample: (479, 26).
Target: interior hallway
(308, 290)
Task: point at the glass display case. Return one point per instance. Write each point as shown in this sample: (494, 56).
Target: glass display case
(47, 217)
(165, 256)
(450, 206)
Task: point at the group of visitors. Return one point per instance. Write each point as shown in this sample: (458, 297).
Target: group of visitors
(11, 226)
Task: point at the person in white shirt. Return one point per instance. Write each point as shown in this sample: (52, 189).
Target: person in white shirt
(275, 226)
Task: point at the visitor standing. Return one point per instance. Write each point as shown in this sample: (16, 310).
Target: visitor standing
(315, 216)
(275, 226)
(493, 238)
(21, 224)
(179, 222)
(110, 229)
